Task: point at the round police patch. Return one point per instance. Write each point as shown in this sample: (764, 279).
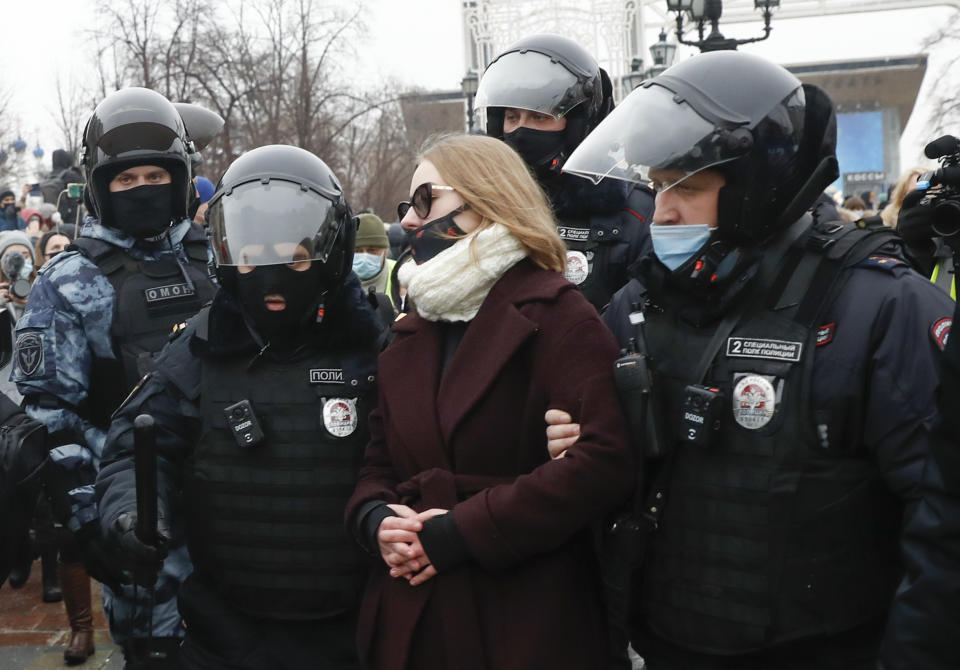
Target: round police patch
(340, 416)
(577, 267)
(29, 353)
(754, 401)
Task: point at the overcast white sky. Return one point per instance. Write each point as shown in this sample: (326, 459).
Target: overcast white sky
(419, 42)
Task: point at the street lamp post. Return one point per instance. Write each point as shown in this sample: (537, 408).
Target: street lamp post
(635, 77)
(710, 11)
(663, 54)
(468, 86)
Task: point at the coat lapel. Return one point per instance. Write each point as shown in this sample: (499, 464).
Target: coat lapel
(498, 330)
(409, 377)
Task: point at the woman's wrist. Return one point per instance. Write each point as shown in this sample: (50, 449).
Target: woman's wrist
(369, 517)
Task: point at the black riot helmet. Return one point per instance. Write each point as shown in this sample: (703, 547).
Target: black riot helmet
(135, 126)
(276, 205)
(551, 75)
(772, 137)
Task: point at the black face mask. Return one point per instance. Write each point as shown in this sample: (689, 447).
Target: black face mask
(298, 288)
(540, 149)
(9, 211)
(427, 241)
(144, 211)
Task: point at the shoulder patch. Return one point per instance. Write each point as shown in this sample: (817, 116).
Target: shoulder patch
(825, 334)
(940, 331)
(29, 353)
(880, 262)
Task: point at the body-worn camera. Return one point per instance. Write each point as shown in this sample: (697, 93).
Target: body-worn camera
(700, 414)
(243, 424)
(634, 381)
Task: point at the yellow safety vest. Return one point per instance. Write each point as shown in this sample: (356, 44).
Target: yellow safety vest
(943, 279)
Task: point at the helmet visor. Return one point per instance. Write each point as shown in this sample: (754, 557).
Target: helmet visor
(280, 221)
(650, 130)
(530, 80)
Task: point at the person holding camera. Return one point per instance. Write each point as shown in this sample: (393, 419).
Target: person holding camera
(792, 397)
(17, 271)
(260, 403)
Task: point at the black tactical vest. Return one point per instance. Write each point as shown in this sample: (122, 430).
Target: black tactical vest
(772, 532)
(151, 297)
(267, 524)
(597, 251)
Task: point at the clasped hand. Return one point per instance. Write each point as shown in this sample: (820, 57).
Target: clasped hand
(400, 545)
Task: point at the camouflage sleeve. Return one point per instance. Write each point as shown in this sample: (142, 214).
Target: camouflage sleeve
(66, 325)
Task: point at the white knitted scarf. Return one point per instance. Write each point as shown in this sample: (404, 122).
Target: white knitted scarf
(452, 285)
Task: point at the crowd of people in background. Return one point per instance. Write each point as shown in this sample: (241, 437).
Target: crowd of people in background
(615, 347)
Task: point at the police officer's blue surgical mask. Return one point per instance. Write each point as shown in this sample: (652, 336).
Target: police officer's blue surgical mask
(367, 265)
(675, 244)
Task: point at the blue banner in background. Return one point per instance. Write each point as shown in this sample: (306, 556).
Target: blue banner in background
(859, 143)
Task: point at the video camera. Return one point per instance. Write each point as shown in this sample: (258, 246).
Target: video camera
(12, 265)
(946, 182)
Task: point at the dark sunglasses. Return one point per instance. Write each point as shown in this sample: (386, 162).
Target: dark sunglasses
(421, 200)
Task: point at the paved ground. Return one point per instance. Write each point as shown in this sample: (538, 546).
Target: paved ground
(33, 633)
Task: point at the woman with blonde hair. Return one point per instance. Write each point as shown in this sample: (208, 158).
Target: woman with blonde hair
(486, 554)
(906, 183)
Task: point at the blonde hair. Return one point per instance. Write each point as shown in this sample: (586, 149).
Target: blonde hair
(892, 210)
(495, 182)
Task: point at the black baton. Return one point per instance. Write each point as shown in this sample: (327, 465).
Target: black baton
(145, 467)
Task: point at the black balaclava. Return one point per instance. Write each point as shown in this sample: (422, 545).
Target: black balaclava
(143, 212)
(541, 150)
(298, 288)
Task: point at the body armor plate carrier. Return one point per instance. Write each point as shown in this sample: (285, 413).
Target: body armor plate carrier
(767, 536)
(151, 298)
(267, 523)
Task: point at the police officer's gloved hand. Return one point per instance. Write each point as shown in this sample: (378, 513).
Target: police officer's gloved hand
(23, 446)
(101, 564)
(143, 559)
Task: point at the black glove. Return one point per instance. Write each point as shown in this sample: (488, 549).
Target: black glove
(915, 221)
(23, 447)
(100, 562)
(143, 559)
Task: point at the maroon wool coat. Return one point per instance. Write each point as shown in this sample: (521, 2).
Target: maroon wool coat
(473, 441)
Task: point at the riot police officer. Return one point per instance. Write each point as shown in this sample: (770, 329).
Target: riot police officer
(261, 404)
(96, 315)
(542, 96)
(794, 367)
